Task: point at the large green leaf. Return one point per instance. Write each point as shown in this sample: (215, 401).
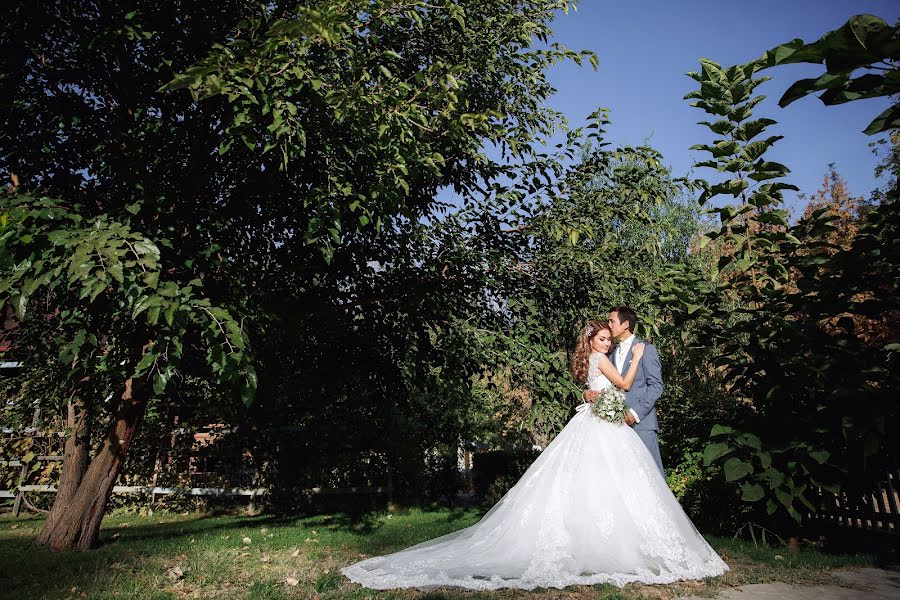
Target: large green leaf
(714, 451)
(736, 469)
(751, 492)
(887, 120)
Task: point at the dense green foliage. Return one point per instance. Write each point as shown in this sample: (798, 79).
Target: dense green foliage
(791, 312)
(285, 201)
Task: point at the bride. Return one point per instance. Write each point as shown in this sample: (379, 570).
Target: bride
(593, 508)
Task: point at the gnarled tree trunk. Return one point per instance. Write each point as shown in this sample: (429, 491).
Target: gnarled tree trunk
(79, 526)
(75, 464)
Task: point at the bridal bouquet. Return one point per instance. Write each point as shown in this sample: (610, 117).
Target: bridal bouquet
(610, 405)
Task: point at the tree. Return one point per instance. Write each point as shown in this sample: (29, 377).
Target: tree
(781, 301)
(844, 209)
(184, 179)
(606, 233)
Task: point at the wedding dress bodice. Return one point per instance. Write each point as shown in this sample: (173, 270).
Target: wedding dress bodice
(596, 380)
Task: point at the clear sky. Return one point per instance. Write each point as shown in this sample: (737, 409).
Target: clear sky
(646, 47)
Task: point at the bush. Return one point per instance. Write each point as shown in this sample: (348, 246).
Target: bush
(495, 472)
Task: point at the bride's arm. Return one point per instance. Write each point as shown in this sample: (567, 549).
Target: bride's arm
(624, 383)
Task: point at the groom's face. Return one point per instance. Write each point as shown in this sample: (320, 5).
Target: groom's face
(618, 330)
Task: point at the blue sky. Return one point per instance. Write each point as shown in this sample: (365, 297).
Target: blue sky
(646, 47)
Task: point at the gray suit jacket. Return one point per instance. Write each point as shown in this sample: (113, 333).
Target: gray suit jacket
(648, 385)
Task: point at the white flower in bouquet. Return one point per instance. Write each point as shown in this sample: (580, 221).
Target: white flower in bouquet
(610, 405)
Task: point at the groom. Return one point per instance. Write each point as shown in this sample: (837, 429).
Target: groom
(648, 384)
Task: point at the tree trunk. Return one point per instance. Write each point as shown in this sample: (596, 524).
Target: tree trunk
(74, 465)
(79, 526)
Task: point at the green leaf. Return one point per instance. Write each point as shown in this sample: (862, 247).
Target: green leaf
(748, 439)
(784, 496)
(151, 279)
(20, 304)
(720, 430)
(803, 87)
(142, 247)
(887, 120)
(144, 364)
(169, 289)
(736, 469)
(160, 379)
(753, 150)
(715, 451)
(169, 312)
(117, 272)
(142, 304)
(751, 492)
(97, 288)
(153, 314)
(820, 456)
(751, 129)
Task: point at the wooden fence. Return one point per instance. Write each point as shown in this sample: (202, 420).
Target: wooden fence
(21, 491)
(878, 510)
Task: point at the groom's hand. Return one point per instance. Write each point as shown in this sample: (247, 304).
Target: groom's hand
(589, 395)
(629, 418)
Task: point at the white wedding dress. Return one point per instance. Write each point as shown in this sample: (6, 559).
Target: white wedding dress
(592, 508)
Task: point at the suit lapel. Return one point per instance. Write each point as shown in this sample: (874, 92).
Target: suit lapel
(624, 369)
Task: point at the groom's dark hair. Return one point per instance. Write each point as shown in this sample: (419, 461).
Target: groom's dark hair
(627, 314)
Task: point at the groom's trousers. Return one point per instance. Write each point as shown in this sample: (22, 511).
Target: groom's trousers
(650, 439)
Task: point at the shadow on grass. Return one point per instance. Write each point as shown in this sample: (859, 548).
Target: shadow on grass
(127, 542)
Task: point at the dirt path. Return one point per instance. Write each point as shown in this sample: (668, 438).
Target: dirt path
(868, 584)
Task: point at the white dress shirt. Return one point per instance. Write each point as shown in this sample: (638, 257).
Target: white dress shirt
(621, 354)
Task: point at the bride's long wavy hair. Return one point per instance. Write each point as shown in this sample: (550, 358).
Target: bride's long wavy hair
(583, 349)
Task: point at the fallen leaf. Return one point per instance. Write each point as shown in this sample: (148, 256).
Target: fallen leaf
(246, 541)
(296, 553)
(291, 581)
(263, 559)
(175, 573)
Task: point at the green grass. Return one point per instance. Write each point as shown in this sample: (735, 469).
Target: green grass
(138, 551)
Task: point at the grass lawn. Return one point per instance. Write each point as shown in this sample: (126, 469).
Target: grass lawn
(299, 557)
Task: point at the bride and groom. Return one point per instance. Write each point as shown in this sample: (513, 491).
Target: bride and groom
(593, 508)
